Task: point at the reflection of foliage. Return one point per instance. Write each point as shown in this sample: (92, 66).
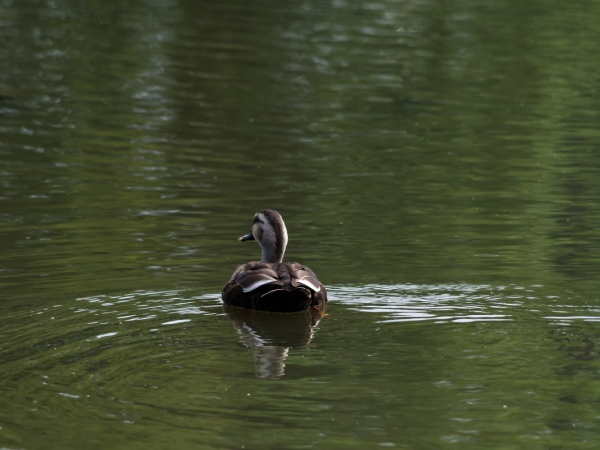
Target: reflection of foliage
(417, 140)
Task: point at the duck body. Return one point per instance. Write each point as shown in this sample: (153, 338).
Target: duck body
(276, 287)
(270, 284)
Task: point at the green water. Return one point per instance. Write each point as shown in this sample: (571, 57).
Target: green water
(436, 165)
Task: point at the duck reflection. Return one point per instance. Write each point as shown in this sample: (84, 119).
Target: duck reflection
(271, 335)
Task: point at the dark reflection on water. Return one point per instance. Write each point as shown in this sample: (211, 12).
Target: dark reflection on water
(271, 335)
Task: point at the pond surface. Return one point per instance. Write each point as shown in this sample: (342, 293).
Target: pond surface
(436, 165)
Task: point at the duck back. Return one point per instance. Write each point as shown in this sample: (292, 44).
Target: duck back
(276, 287)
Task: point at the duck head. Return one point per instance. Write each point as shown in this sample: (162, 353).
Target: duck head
(270, 232)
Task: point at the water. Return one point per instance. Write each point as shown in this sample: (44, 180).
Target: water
(409, 365)
(436, 166)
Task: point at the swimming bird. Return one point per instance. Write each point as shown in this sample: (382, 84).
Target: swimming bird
(270, 284)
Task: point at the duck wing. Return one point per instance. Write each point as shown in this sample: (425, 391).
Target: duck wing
(302, 276)
(255, 274)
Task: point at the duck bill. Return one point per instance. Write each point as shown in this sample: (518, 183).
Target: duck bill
(247, 237)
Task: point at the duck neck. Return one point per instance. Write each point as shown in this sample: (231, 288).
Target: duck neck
(272, 237)
(272, 255)
(274, 248)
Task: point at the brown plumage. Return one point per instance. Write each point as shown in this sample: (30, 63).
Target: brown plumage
(271, 285)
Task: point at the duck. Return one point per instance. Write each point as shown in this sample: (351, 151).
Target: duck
(270, 284)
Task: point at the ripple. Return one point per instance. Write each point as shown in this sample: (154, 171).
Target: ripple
(461, 303)
(145, 305)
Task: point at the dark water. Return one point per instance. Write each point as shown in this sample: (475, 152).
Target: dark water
(436, 165)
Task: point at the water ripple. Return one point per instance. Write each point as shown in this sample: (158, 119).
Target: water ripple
(145, 305)
(462, 303)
